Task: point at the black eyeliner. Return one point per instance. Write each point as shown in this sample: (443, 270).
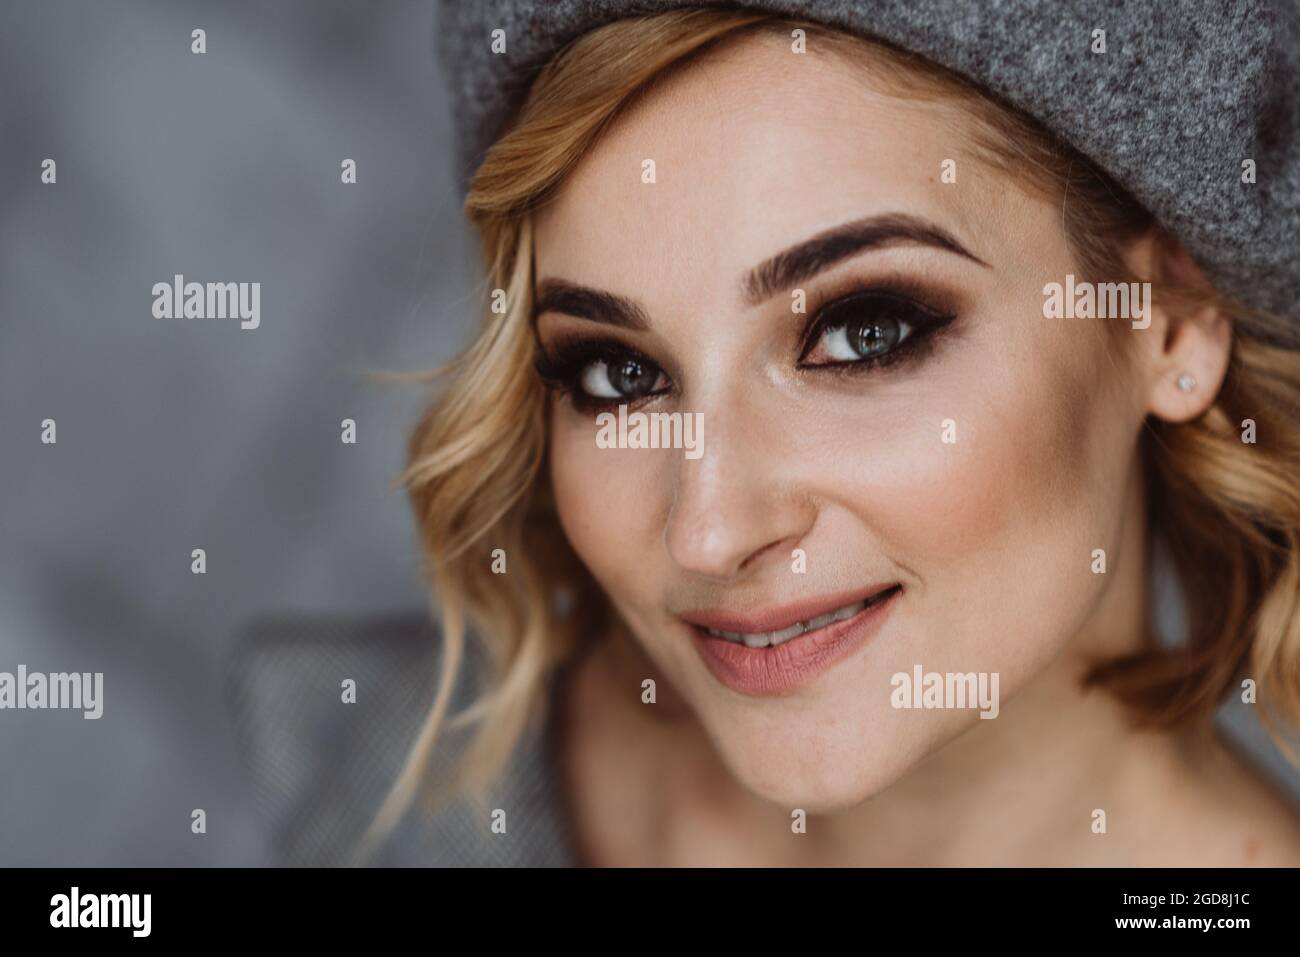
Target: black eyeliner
(925, 319)
(561, 364)
(560, 368)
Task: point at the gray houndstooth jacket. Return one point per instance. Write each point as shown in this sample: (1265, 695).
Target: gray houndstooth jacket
(319, 767)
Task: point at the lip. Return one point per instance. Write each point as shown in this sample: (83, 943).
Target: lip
(761, 672)
(782, 616)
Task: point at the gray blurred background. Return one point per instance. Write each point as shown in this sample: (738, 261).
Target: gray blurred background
(180, 434)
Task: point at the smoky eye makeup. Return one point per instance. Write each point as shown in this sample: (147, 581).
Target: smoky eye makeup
(866, 327)
(873, 327)
(599, 373)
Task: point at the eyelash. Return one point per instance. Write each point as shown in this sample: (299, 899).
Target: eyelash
(925, 320)
(562, 368)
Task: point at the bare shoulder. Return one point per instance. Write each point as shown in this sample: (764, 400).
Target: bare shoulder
(1237, 813)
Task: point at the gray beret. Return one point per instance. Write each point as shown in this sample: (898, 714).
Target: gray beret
(1186, 92)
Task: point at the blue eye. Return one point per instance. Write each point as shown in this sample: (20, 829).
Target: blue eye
(600, 374)
(867, 326)
(625, 377)
(863, 338)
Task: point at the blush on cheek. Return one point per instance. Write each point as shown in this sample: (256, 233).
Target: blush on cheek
(1015, 475)
(609, 502)
(997, 525)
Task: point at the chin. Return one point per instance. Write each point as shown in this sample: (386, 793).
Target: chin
(803, 768)
(826, 789)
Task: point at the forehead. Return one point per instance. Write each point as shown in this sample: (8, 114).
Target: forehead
(753, 148)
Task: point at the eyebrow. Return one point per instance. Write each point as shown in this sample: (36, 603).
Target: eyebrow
(799, 263)
(783, 271)
(560, 295)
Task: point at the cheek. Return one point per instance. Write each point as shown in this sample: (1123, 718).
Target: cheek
(998, 523)
(608, 504)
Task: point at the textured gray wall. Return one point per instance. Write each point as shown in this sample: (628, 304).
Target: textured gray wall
(184, 434)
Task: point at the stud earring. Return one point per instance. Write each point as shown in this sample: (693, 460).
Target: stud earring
(1186, 383)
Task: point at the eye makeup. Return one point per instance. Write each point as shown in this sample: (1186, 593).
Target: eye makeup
(876, 327)
(864, 328)
(563, 366)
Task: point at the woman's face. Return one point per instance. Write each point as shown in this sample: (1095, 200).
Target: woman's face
(931, 446)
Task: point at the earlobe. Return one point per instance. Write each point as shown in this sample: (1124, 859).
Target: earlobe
(1191, 339)
(1191, 366)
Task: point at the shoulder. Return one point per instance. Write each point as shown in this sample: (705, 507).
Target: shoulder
(1232, 804)
(1250, 790)
(324, 711)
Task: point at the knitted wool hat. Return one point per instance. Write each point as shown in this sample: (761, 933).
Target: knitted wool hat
(1194, 106)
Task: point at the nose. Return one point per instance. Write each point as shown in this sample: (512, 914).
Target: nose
(736, 507)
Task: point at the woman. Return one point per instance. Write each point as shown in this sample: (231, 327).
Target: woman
(954, 391)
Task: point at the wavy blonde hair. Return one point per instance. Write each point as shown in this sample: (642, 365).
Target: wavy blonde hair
(476, 475)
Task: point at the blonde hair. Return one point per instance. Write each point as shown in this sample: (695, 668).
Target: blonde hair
(476, 478)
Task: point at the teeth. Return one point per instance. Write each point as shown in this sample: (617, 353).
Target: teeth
(766, 639)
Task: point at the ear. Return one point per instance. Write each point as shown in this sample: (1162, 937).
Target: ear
(1188, 345)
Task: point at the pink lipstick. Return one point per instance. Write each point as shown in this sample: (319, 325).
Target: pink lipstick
(779, 649)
